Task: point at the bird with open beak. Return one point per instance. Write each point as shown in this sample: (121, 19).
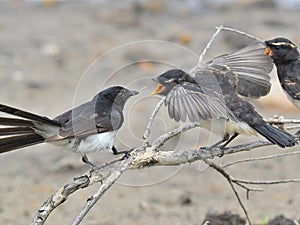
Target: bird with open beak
(210, 97)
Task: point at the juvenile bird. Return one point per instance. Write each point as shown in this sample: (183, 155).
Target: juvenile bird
(211, 96)
(286, 58)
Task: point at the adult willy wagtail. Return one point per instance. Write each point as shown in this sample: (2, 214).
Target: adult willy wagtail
(87, 128)
(210, 97)
(286, 58)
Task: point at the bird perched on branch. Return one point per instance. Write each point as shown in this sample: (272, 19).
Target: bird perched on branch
(210, 97)
(87, 128)
(286, 58)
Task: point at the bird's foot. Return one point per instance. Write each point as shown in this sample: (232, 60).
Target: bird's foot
(125, 152)
(88, 162)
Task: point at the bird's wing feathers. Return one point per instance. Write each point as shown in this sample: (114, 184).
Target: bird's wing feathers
(252, 68)
(190, 101)
(87, 121)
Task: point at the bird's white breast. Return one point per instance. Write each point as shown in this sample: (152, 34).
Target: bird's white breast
(91, 143)
(97, 142)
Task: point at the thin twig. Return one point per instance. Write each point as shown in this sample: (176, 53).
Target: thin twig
(152, 117)
(229, 179)
(241, 33)
(281, 120)
(293, 127)
(219, 29)
(269, 181)
(261, 158)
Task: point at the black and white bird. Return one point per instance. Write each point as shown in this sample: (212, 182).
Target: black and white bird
(286, 58)
(90, 127)
(211, 96)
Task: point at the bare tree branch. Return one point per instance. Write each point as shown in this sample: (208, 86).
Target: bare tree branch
(230, 181)
(152, 117)
(261, 158)
(269, 181)
(137, 159)
(163, 138)
(105, 185)
(219, 29)
(240, 32)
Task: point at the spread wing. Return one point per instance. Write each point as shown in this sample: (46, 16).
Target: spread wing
(85, 121)
(250, 67)
(196, 103)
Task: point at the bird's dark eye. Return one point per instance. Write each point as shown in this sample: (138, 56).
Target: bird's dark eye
(277, 47)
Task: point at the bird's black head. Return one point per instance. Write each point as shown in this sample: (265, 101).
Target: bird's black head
(281, 50)
(116, 95)
(170, 79)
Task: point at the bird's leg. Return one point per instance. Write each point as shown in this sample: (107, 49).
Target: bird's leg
(115, 151)
(222, 147)
(87, 161)
(225, 138)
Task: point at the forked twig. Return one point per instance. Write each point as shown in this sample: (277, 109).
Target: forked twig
(219, 29)
(241, 33)
(105, 185)
(230, 181)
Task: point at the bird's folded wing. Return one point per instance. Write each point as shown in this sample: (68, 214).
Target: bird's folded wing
(251, 67)
(84, 125)
(196, 103)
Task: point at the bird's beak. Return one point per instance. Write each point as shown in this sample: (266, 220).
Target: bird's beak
(160, 88)
(134, 92)
(268, 51)
(154, 79)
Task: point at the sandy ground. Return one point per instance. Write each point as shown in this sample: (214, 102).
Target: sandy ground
(45, 57)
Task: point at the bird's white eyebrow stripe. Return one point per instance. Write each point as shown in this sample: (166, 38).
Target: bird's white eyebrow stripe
(170, 80)
(283, 43)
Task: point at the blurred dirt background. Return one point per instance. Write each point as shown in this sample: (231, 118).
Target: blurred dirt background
(45, 50)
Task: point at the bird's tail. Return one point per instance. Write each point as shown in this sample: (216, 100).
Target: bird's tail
(275, 135)
(17, 133)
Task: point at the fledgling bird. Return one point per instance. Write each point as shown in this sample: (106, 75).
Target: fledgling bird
(87, 128)
(210, 97)
(286, 58)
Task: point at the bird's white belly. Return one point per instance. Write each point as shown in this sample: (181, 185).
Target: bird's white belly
(239, 128)
(97, 142)
(221, 127)
(92, 143)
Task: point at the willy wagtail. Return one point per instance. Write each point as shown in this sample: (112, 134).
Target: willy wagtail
(210, 98)
(87, 128)
(286, 58)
